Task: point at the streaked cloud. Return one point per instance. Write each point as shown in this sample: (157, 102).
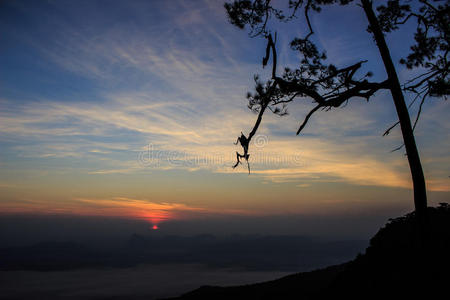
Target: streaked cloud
(167, 93)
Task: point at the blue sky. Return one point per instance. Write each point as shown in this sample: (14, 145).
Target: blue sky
(109, 104)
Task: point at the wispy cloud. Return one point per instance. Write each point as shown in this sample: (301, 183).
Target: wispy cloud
(180, 89)
(337, 151)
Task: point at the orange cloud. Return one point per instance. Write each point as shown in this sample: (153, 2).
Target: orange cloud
(137, 208)
(152, 212)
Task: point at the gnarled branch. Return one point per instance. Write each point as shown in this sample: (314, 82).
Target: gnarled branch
(282, 90)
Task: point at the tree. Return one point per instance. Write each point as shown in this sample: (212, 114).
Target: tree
(331, 86)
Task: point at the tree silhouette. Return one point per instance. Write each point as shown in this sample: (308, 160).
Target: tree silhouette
(330, 86)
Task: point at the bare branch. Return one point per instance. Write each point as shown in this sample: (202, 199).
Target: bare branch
(429, 5)
(245, 141)
(420, 110)
(398, 148)
(352, 68)
(390, 128)
(271, 45)
(311, 32)
(307, 118)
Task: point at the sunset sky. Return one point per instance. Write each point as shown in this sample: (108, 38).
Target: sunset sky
(130, 109)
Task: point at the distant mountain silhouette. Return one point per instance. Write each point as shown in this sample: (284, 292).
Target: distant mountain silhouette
(50, 256)
(396, 265)
(246, 252)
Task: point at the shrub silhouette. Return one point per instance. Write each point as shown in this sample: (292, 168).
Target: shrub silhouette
(399, 263)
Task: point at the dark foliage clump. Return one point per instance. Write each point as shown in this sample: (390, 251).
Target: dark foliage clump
(399, 261)
(400, 234)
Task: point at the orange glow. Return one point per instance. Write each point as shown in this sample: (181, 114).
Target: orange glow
(152, 212)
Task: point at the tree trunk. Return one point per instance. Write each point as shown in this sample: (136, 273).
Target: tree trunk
(420, 193)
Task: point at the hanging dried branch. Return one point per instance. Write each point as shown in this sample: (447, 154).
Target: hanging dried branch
(341, 84)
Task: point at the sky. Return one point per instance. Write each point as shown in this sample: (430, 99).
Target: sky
(129, 109)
